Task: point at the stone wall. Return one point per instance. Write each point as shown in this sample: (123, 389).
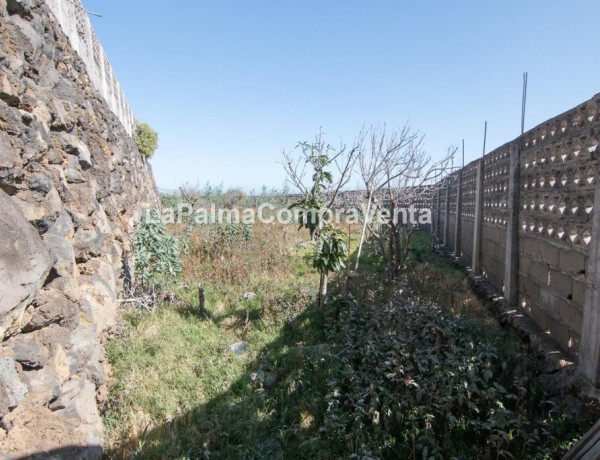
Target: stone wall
(72, 184)
(536, 220)
(75, 23)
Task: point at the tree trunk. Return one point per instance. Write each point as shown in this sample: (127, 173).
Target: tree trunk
(402, 247)
(399, 259)
(407, 244)
(392, 241)
(364, 230)
(324, 279)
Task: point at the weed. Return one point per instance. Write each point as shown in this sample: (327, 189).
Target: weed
(156, 253)
(392, 371)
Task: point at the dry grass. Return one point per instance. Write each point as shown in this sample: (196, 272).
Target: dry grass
(174, 364)
(211, 259)
(179, 392)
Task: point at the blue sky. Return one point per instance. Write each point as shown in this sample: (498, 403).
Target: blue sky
(229, 84)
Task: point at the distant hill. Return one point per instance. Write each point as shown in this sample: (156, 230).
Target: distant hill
(167, 191)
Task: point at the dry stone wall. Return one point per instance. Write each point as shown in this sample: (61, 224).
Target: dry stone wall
(72, 185)
(75, 23)
(544, 182)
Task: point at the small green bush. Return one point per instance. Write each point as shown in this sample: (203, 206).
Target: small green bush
(157, 254)
(146, 139)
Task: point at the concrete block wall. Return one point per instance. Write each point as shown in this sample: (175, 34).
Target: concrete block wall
(492, 254)
(559, 170)
(441, 226)
(538, 196)
(466, 236)
(452, 192)
(467, 228)
(552, 288)
(451, 231)
(423, 204)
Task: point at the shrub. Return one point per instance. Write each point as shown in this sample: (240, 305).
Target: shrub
(157, 254)
(225, 239)
(233, 198)
(414, 381)
(146, 139)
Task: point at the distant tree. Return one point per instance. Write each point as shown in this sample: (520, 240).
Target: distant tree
(146, 139)
(233, 198)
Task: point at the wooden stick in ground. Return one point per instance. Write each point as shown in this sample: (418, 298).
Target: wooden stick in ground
(201, 298)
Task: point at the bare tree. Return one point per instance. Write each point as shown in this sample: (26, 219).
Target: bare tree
(190, 194)
(375, 161)
(397, 173)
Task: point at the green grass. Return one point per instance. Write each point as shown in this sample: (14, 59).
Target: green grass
(385, 374)
(175, 372)
(178, 391)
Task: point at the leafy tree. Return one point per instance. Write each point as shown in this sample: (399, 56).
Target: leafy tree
(330, 249)
(146, 139)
